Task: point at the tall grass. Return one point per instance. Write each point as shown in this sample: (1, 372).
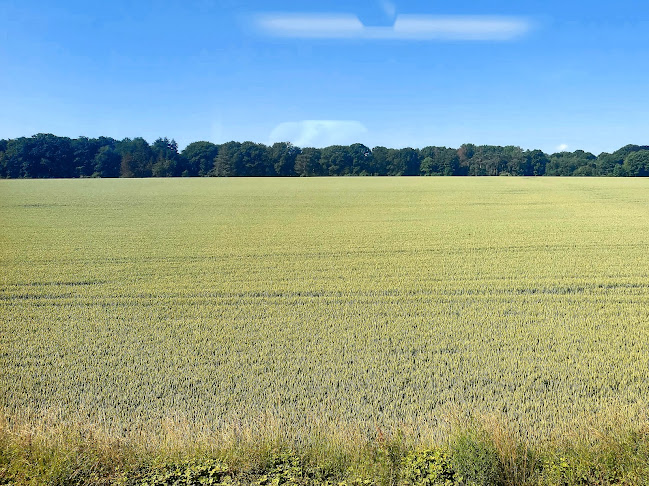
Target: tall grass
(481, 451)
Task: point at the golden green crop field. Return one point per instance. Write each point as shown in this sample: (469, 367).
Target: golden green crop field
(370, 303)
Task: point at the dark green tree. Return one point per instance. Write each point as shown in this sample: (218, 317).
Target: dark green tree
(137, 158)
(379, 161)
(84, 149)
(107, 162)
(611, 164)
(514, 162)
(636, 164)
(491, 160)
(408, 159)
(283, 155)
(337, 160)
(167, 160)
(3, 149)
(361, 159)
(307, 163)
(429, 166)
(402, 162)
(42, 156)
(16, 150)
(200, 157)
(536, 162)
(465, 154)
(450, 162)
(395, 165)
(253, 160)
(227, 162)
(438, 161)
(567, 163)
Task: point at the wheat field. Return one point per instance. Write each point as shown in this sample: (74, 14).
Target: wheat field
(364, 303)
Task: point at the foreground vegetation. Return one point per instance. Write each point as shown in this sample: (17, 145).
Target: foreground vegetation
(478, 453)
(357, 330)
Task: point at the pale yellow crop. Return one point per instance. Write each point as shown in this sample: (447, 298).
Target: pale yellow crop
(372, 302)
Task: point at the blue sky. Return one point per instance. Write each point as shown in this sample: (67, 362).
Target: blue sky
(539, 74)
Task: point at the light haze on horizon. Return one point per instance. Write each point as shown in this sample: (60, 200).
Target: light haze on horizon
(538, 74)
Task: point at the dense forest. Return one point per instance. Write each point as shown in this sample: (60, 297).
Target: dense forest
(49, 156)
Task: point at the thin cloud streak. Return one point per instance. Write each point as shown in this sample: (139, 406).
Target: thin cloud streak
(406, 27)
(428, 27)
(318, 26)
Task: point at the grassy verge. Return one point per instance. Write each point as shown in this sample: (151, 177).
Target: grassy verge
(479, 452)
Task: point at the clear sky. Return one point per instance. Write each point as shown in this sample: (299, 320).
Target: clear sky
(548, 74)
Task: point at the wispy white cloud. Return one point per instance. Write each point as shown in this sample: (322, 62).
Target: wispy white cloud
(389, 8)
(327, 26)
(318, 133)
(562, 148)
(406, 27)
(428, 27)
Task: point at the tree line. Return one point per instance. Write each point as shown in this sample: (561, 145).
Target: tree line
(50, 156)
